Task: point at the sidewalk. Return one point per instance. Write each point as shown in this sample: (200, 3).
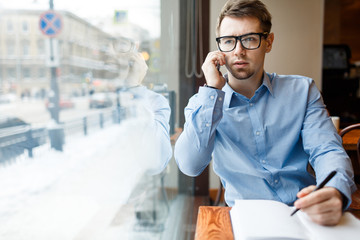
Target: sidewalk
(56, 194)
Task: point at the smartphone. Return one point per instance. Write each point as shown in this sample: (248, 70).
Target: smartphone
(218, 66)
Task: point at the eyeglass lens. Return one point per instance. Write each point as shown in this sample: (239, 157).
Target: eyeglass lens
(248, 42)
(124, 45)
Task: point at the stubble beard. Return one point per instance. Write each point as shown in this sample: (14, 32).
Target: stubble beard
(241, 74)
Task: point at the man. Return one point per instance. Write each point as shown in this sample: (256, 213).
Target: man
(263, 129)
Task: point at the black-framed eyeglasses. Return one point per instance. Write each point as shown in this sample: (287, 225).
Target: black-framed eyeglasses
(249, 41)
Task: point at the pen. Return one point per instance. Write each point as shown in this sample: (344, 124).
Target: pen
(321, 185)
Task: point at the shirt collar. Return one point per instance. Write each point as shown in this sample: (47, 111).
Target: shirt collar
(229, 92)
(267, 83)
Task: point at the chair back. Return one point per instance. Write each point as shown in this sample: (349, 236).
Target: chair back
(348, 129)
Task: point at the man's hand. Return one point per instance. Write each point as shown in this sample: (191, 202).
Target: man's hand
(214, 77)
(137, 69)
(323, 206)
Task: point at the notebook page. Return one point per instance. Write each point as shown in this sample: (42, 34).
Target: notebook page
(264, 219)
(348, 228)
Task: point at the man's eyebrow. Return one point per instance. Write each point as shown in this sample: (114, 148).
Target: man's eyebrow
(237, 35)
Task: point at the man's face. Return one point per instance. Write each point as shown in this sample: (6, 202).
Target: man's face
(244, 64)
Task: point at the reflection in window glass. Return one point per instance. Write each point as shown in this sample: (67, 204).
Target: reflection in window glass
(88, 153)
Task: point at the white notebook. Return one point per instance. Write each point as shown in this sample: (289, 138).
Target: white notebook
(266, 219)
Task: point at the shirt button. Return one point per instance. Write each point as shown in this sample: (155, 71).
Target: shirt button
(207, 125)
(251, 104)
(257, 133)
(263, 161)
(220, 98)
(212, 97)
(276, 181)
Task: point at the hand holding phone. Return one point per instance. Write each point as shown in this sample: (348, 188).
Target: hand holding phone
(211, 69)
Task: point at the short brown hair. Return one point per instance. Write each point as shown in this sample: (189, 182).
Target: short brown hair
(246, 8)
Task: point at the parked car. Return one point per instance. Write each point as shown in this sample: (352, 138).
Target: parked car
(7, 98)
(100, 100)
(16, 136)
(64, 103)
(7, 121)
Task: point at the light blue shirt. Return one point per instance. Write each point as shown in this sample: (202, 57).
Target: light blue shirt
(261, 146)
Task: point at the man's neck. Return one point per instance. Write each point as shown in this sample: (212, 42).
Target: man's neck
(246, 87)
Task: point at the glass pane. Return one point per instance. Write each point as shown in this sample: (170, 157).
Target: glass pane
(85, 120)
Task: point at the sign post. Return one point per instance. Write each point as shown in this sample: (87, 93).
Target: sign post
(51, 24)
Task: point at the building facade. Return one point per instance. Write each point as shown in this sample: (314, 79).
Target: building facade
(83, 50)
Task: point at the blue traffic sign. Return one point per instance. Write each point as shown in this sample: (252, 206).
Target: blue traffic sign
(50, 23)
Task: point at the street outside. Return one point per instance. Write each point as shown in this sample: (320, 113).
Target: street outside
(34, 110)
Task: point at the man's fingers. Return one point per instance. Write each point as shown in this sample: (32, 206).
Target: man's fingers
(325, 213)
(213, 77)
(306, 191)
(329, 218)
(214, 58)
(318, 196)
(323, 206)
(320, 207)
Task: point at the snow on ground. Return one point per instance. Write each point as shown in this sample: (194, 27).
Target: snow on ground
(56, 194)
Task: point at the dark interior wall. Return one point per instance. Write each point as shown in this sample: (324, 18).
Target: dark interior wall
(342, 25)
(340, 85)
(188, 86)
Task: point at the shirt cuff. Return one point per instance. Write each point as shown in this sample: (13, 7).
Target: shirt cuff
(211, 97)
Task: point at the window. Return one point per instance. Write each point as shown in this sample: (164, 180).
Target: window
(93, 150)
(25, 48)
(26, 73)
(11, 73)
(41, 47)
(10, 26)
(10, 47)
(25, 27)
(41, 73)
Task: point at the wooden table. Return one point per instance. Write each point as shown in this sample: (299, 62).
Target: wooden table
(175, 136)
(214, 222)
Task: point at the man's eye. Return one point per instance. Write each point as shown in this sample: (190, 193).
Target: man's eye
(249, 39)
(228, 41)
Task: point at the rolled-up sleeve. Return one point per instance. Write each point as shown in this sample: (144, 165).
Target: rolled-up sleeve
(324, 146)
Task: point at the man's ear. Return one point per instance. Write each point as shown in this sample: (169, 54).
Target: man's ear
(269, 41)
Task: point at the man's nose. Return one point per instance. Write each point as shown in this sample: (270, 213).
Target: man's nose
(239, 48)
